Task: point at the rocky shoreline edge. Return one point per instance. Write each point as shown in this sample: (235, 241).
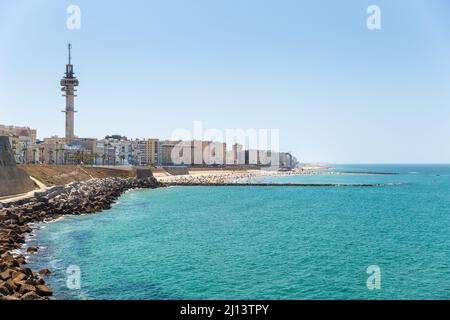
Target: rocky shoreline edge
(17, 282)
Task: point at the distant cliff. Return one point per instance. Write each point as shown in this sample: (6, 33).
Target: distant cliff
(12, 179)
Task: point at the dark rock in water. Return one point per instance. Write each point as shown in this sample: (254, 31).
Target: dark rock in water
(43, 290)
(32, 249)
(44, 272)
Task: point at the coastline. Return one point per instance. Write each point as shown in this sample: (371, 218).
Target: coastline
(150, 215)
(18, 217)
(233, 176)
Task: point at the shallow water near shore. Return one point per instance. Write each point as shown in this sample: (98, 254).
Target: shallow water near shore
(262, 242)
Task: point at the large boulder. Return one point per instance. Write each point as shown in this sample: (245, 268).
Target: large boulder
(43, 290)
(32, 295)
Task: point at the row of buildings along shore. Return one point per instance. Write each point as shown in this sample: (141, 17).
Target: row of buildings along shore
(118, 150)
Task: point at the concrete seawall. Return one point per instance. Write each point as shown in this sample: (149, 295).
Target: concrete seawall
(13, 180)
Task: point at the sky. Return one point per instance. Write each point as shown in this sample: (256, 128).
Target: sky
(337, 91)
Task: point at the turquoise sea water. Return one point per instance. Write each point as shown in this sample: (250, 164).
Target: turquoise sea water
(262, 242)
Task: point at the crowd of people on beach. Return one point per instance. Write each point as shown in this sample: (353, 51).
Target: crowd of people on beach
(234, 176)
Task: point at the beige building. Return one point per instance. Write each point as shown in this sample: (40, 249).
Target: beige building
(51, 151)
(151, 151)
(18, 131)
(172, 152)
(22, 140)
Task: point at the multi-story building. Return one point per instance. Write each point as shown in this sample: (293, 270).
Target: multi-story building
(141, 152)
(251, 157)
(115, 151)
(214, 153)
(165, 149)
(137, 152)
(18, 131)
(238, 154)
(287, 160)
(52, 150)
(22, 139)
(151, 151)
(260, 157)
(265, 158)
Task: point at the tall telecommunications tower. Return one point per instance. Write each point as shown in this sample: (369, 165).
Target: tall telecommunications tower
(69, 83)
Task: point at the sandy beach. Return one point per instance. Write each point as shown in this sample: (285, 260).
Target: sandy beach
(223, 176)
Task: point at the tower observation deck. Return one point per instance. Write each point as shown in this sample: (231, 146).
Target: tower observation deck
(69, 83)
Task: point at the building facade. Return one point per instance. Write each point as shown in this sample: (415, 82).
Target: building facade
(22, 140)
(151, 151)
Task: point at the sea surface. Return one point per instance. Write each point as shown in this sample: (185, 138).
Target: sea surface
(261, 242)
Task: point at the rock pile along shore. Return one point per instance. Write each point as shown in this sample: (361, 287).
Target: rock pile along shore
(16, 280)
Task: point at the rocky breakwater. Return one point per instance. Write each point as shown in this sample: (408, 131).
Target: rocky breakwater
(16, 280)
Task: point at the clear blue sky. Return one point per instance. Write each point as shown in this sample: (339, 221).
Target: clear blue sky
(337, 91)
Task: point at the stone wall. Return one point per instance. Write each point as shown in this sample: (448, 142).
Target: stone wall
(12, 179)
(177, 170)
(143, 173)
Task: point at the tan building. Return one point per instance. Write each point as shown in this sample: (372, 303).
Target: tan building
(151, 151)
(172, 152)
(55, 140)
(22, 140)
(19, 131)
(52, 150)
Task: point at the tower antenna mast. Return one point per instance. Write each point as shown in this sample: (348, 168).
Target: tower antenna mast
(70, 47)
